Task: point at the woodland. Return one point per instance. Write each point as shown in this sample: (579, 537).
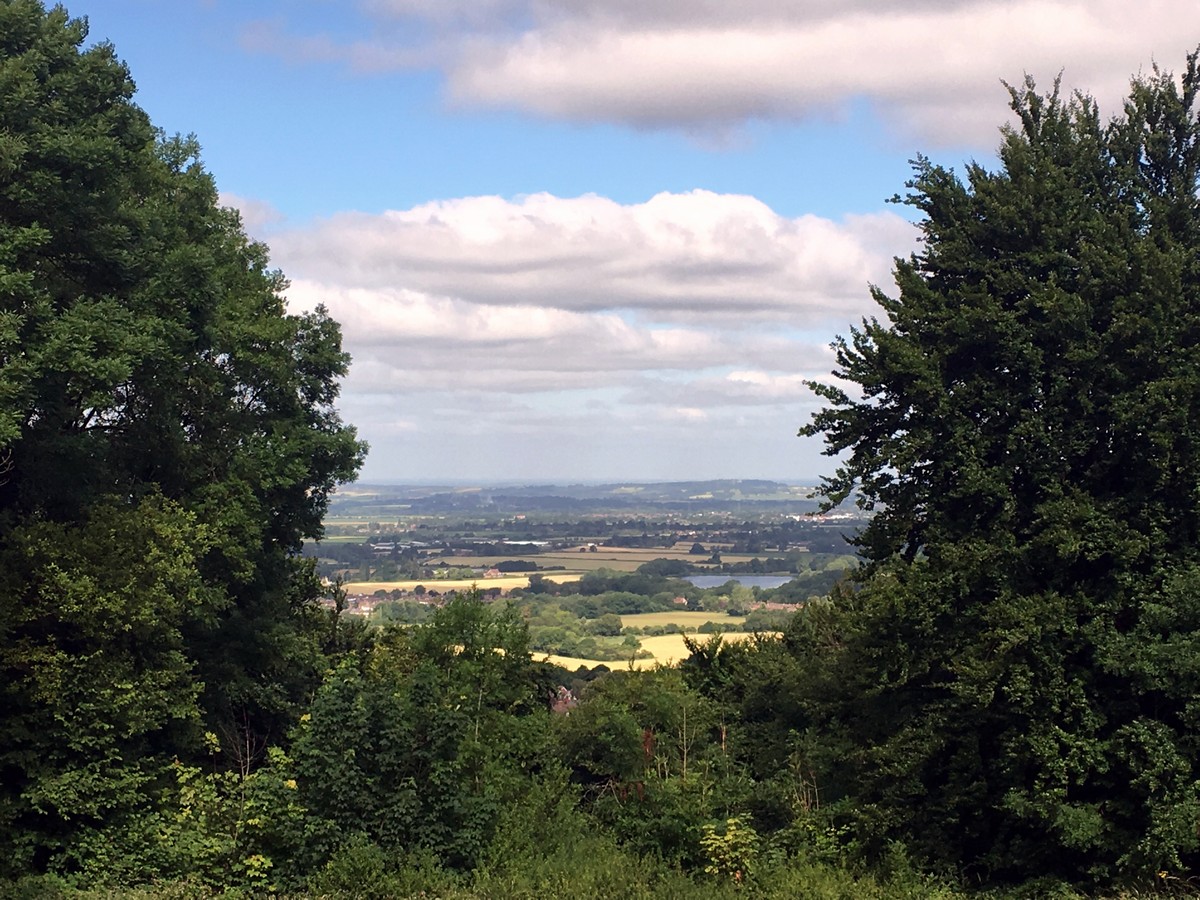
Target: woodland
(1002, 699)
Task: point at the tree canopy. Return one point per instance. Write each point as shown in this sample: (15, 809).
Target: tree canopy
(1017, 674)
(167, 439)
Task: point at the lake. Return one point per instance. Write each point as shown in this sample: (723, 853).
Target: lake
(762, 581)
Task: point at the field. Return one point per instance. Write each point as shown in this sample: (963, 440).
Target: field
(505, 583)
(619, 559)
(682, 617)
(666, 648)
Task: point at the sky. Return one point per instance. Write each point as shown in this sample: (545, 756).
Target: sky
(600, 240)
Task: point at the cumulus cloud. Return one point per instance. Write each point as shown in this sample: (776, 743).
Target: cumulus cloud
(682, 316)
(525, 264)
(931, 67)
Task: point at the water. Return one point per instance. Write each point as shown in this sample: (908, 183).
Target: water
(762, 581)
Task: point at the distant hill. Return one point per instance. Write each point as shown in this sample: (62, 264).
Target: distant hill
(722, 495)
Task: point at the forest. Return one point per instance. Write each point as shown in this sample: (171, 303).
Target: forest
(1001, 697)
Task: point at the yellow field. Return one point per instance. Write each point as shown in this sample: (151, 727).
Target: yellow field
(667, 649)
(505, 583)
(681, 617)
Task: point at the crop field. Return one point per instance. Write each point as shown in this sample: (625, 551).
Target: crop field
(681, 617)
(667, 649)
(505, 583)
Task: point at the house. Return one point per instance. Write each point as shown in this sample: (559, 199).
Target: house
(563, 701)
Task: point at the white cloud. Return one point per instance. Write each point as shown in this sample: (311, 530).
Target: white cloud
(256, 214)
(932, 70)
(931, 67)
(533, 260)
(684, 324)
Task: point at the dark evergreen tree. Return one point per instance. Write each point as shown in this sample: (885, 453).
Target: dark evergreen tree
(1015, 687)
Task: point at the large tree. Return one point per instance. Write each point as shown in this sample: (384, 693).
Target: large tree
(1017, 683)
(167, 439)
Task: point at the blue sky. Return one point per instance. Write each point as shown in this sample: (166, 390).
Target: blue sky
(598, 239)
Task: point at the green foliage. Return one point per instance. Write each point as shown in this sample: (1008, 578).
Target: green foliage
(1013, 690)
(1007, 691)
(645, 584)
(730, 853)
(95, 683)
(167, 439)
(363, 869)
(665, 567)
(227, 829)
(421, 744)
(608, 625)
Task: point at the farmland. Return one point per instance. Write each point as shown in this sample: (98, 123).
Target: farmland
(619, 559)
(504, 582)
(394, 540)
(665, 649)
(685, 619)
(600, 578)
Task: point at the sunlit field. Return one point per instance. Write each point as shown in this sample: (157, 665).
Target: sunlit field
(666, 649)
(681, 617)
(669, 648)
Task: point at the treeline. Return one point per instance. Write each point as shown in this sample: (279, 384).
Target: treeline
(429, 761)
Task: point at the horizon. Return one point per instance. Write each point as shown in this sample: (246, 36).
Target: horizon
(574, 482)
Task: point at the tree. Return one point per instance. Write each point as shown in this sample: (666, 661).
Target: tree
(665, 568)
(607, 625)
(96, 681)
(167, 437)
(1015, 683)
(428, 737)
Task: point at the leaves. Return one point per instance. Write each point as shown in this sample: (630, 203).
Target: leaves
(167, 437)
(1026, 431)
